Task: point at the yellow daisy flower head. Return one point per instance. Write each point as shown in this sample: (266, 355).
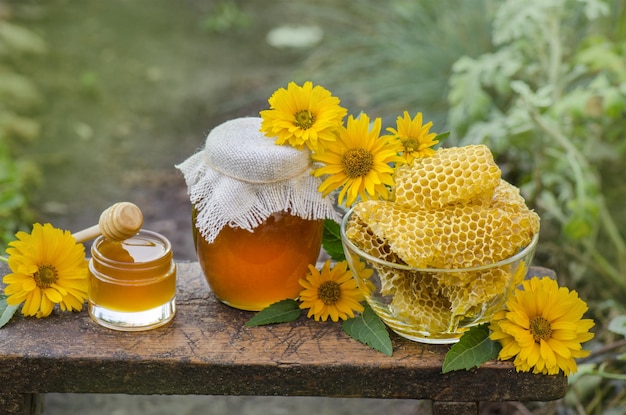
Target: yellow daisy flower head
(48, 267)
(360, 162)
(542, 328)
(330, 292)
(302, 116)
(415, 137)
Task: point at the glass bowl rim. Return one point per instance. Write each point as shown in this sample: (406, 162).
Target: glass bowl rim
(347, 242)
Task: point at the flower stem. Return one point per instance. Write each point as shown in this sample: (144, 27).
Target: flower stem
(4, 259)
(606, 349)
(607, 375)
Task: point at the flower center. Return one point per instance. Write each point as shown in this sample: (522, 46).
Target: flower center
(540, 328)
(329, 292)
(45, 276)
(304, 119)
(410, 144)
(357, 162)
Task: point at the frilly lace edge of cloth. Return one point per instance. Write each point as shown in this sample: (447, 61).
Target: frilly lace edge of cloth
(224, 201)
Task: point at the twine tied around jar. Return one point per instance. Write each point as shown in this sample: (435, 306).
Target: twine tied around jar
(241, 177)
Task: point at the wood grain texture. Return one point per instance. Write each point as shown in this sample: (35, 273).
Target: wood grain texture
(207, 350)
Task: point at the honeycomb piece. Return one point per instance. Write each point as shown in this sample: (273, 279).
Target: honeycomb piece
(360, 234)
(451, 176)
(417, 300)
(455, 237)
(391, 280)
(382, 226)
(472, 289)
(451, 237)
(507, 197)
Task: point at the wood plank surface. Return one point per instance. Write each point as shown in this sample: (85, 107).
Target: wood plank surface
(207, 350)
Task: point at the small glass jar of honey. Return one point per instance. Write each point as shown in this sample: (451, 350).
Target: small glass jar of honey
(132, 283)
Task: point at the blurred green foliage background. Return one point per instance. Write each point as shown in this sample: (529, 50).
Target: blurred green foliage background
(541, 82)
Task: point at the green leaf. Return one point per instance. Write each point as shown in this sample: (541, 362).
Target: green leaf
(473, 349)
(618, 325)
(21, 40)
(280, 312)
(370, 330)
(6, 311)
(332, 240)
(442, 136)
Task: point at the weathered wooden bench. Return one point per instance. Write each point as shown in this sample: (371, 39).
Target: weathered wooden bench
(206, 350)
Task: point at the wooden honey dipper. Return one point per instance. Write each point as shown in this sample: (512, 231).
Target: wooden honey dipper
(117, 222)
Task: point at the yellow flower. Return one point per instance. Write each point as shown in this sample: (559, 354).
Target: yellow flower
(302, 116)
(359, 162)
(48, 268)
(415, 138)
(331, 292)
(542, 327)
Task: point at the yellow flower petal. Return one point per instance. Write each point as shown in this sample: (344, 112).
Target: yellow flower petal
(32, 303)
(559, 348)
(52, 295)
(45, 309)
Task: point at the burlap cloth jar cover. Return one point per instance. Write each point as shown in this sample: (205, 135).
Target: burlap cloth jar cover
(241, 177)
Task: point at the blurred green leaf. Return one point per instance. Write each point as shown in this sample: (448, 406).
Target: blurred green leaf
(618, 325)
(614, 102)
(22, 128)
(603, 55)
(19, 92)
(17, 39)
(582, 220)
(227, 15)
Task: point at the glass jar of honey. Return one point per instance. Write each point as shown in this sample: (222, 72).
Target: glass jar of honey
(132, 283)
(257, 214)
(251, 270)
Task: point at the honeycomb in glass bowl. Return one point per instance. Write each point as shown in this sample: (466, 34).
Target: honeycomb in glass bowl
(457, 236)
(417, 299)
(451, 176)
(446, 220)
(439, 302)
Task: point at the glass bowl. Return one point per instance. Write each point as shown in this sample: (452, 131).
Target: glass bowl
(431, 305)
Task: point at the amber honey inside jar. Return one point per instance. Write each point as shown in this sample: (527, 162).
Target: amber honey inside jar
(132, 282)
(251, 270)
